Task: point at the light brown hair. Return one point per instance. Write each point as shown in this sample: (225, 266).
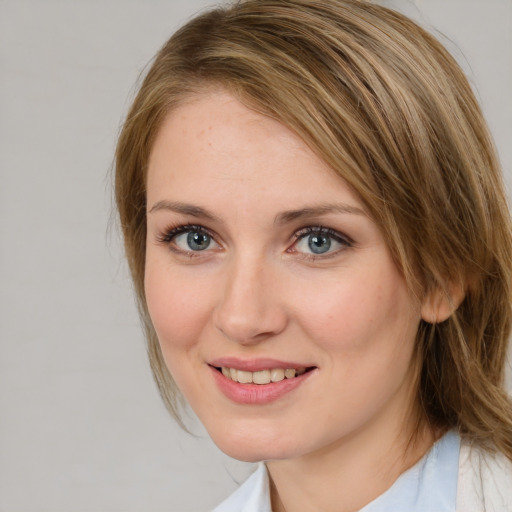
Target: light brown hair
(387, 107)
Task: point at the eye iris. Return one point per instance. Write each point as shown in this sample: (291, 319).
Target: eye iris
(198, 241)
(319, 243)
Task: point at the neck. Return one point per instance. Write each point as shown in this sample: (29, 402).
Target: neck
(350, 473)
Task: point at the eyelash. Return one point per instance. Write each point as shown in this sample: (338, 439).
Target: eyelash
(343, 240)
(168, 236)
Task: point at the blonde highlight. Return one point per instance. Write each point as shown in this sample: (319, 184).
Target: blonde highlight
(386, 106)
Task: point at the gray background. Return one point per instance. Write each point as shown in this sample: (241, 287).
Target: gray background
(81, 426)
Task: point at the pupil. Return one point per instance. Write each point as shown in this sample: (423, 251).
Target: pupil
(319, 243)
(198, 241)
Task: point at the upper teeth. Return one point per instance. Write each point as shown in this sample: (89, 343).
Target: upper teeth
(261, 377)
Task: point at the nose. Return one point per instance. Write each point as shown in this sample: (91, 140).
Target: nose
(250, 309)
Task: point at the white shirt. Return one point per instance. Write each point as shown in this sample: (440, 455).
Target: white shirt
(429, 486)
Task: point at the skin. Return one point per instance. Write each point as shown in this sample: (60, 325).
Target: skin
(257, 291)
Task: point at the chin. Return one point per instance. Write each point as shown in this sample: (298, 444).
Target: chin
(252, 447)
(253, 453)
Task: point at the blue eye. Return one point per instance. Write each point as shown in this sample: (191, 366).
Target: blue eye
(196, 241)
(320, 241)
(188, 239)
(193, 241)
(319, 244)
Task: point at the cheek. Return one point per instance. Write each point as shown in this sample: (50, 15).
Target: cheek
(366, 328)
(178, 309)
(361, 311)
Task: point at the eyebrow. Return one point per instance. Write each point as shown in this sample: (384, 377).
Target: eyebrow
(184, 209)
(316, 211)
(281, 218)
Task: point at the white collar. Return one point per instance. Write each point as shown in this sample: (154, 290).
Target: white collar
(252, 496)
(430, 485)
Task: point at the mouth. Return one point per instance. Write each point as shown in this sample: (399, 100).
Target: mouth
(259, 381)
(262, 377)
(262, 386)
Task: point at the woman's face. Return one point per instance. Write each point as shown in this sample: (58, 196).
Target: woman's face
(262, 263)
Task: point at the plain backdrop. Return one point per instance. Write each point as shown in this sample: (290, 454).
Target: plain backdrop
(82, 428)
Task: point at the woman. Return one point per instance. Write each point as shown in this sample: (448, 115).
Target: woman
(317, 231)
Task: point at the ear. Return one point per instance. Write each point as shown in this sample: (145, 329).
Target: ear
(439, 304)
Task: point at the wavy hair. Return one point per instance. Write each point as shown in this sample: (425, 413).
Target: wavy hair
(387, 107)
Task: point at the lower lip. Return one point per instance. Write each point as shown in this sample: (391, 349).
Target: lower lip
(257, 394)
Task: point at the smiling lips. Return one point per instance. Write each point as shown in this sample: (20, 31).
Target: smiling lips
(260, 386)
(262, 376)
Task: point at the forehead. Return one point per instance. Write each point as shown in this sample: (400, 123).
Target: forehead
(213, 142)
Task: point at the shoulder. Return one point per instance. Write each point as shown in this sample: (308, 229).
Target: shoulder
(485, 481)
(252, 496)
